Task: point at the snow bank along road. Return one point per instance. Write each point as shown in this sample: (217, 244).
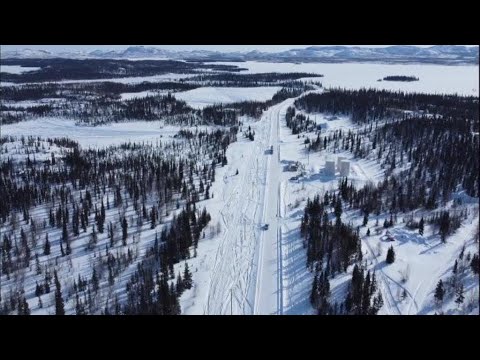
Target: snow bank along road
(247, 277)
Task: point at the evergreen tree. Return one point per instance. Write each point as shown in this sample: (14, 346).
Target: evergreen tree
(179, 285)
(390, 255)
(313, 293)
(46, 247)
(444, 225)
(338, 210)
(110, 234)
(474, 264)
(365, 219)
(377, 304)
(95, 281)
(59, 306)
(26, 309)
(187, 277)
(421, 226)
(124, 231)
(439, 292)
(459, 294)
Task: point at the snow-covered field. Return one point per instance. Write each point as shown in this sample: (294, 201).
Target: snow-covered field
(31, 103)
(433, 78)
(17, 69)
(95, 136)
(129, 96)
(205, 96)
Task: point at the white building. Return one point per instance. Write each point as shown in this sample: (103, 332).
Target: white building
(344, 168)
(330, 168)
(339, 160)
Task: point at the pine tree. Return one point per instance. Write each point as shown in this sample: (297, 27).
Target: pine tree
(390, 255)
(102, 219)
(365, 219)
(179, 285)
(64, 231)
(95, 281)
(26, 309)
(365, 304)
(110, 234)
(377, 304)
(444, 225)
(59, 306)
(474, 264)
(439, 292)
(338, 209)
(153, 218)
(38, 290)
(421, 226)
(313, 293)
(46, 247)
(174, 304)
(187, 277)
(124, 231)
(460, 296)
(368, 232)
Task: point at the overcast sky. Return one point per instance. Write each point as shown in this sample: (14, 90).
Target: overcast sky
(225, 48)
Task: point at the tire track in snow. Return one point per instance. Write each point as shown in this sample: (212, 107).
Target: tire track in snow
(389, 299)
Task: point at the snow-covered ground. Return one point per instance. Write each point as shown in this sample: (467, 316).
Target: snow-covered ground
(17, 69)
(422, 261)
(136, 95)
(29, 103)
(424, 258)
(433, 78)
(247, 270)
(205, 96)
(243, 269)
(95, 136)
(240, 270)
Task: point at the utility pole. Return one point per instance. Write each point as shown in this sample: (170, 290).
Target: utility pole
(231, 302)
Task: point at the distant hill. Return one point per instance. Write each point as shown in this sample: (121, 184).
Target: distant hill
(437, 54)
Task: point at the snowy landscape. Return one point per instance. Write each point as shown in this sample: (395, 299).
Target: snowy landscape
(154, 185)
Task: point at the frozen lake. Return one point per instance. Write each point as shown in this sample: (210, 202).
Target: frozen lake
(440, 79)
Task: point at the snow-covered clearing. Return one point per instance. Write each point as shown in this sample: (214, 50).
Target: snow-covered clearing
(205, 96)
(433, 78)
(136, 95)
(96, 136)
(17, 69)
(28, 103)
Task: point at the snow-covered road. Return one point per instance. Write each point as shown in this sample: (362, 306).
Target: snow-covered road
(269, 286)
(247, 276)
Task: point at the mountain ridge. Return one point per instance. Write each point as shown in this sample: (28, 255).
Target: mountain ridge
(448, 54)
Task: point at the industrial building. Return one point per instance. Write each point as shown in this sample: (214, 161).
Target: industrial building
(344, 168)
(330, 168)
(339, 160)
